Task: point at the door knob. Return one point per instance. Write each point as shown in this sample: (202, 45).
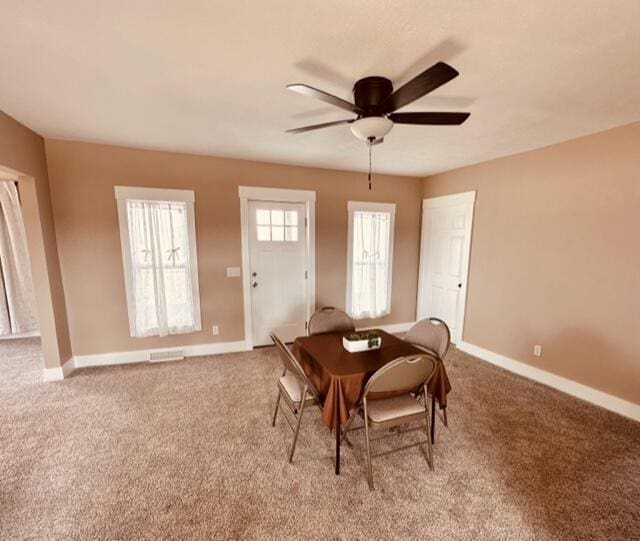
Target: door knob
(459, 285)
(254, 284)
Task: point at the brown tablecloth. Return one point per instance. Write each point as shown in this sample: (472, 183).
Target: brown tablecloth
(341, 376)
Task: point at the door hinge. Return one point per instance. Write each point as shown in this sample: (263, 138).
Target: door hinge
(305, 222)
(306, 325)
(306, 275)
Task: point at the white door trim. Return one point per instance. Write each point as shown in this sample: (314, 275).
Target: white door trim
(446, 201)
(450, 200)
(279, 195)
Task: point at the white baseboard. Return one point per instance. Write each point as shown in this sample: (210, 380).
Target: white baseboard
(392, 328)
(599, 398)
(196, 350)
(142, 355)
(58, 373)
(28, 334)
(138, 356)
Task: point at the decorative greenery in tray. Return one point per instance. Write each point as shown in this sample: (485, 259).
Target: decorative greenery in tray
(372, 336)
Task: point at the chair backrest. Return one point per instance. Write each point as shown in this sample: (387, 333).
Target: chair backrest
(291, 364)
(431, 334)
(330, 319)
(404, 374)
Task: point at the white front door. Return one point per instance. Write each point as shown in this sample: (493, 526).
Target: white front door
(277, 267)
(444, 259)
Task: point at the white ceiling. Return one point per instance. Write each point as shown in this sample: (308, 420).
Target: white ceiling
(209, 77)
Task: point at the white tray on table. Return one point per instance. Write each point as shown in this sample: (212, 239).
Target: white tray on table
(354, 346)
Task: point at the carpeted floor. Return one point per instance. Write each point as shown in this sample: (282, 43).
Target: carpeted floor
(186, 451)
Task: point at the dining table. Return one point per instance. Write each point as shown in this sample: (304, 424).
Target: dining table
(340, 376)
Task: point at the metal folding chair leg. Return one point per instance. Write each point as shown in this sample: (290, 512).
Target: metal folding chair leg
(444, 412)
(429, 444)
(366, 435)
(275, 413)
(347, 425)
(295, 436)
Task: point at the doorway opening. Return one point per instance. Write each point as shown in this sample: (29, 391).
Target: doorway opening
(20, 348)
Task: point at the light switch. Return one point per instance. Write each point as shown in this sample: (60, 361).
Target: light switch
(233, 272)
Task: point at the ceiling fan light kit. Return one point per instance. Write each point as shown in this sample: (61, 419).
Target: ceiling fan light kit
(371, 128)
(375, 102)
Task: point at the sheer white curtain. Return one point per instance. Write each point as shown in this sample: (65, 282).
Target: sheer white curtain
(370, 264)
(162, 289)
(17, 301)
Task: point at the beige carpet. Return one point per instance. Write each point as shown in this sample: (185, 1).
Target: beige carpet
(186, 451)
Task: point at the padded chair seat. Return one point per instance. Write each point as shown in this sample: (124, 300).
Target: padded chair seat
(398, 407)
(293, 388)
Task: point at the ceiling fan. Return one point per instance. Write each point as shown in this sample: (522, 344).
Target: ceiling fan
(376, 103)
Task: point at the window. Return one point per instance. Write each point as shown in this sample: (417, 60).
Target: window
(157, 233)
(370, 259)
(277, 225)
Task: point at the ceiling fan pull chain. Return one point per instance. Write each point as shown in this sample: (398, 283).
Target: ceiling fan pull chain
(370, 145)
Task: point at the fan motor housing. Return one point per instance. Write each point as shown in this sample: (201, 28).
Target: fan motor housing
(370, 92)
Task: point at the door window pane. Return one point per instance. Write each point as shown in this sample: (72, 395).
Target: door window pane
(262, 217)
(277, 233)
(277, 225)
(291, 234)
(264, 233)
(291, 217)
(277, 217)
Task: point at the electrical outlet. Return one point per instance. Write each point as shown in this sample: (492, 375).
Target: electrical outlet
(215, 330)
(537, 350)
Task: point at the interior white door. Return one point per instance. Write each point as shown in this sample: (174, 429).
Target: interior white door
(278, 273)
(444, 259)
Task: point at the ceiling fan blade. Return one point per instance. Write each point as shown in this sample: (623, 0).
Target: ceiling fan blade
(307, 90)
(430, 79)
(319, 126)
(429, 119)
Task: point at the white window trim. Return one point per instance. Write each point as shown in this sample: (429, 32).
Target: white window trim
(352, 207)
(5, 175)
(154, 194)
(128, 193)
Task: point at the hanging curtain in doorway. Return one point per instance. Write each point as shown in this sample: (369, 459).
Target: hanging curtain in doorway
(17, 303)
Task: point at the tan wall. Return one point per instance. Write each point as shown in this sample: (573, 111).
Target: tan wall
(82, 181)
(555, 257)
(23, 151)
